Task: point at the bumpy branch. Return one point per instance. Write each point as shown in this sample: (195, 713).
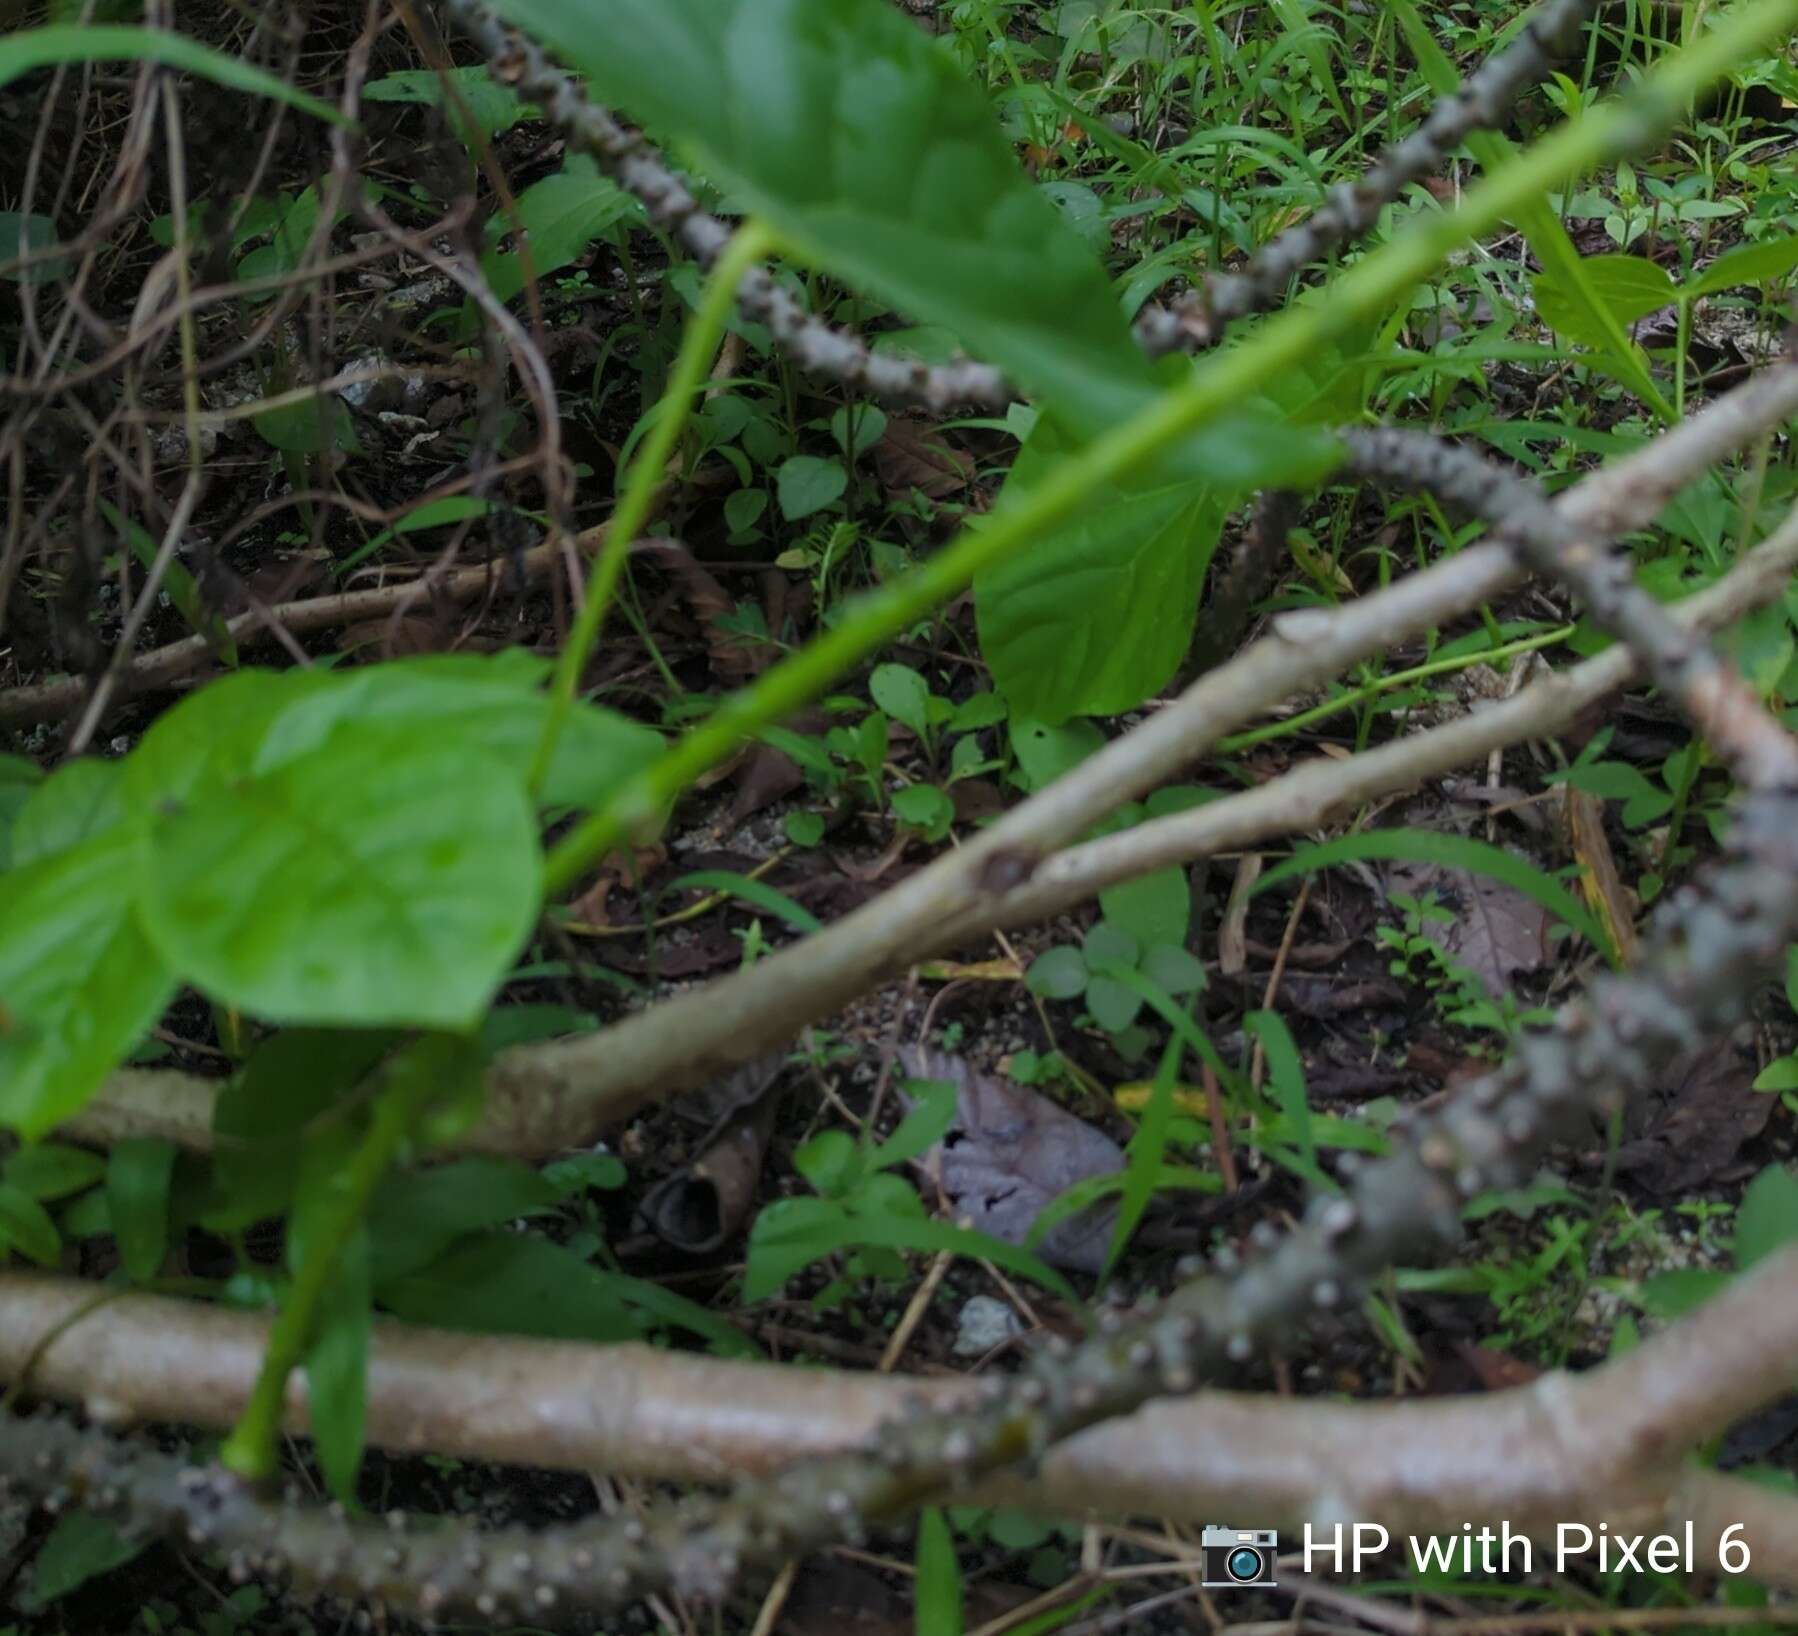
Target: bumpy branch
(1199, 318)
(1605, 1446)
(635, 165)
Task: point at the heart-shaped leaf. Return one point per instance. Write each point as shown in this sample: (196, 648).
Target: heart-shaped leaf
(379, 879)
(79, 983)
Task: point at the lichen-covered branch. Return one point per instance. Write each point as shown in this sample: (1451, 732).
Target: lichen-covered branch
(1607, 1446)
(1200, 317)
(633, 163)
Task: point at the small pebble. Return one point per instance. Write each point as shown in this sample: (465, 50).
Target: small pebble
(986, 1322)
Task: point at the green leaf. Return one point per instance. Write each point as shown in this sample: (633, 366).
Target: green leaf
(924, 807)
(260, 1119)
(80, 1547)
(857, 428)
(1174, 969)
(417, 1214)
(182, 588)
(1045, 752)
(904, 695)
(79, 983)
(48, 1170)
(1750, 264)
(1144, 1155)
(560, 216)
(1629, 286)
(308, 426)
(1674, 1294)
(805, 484)
(18, 778)
(81, 798)
(790, 1234)
(514, 1284)
(1286, 1073)
(25, 1226)
(1767, 1217)
(138, 1175)
(752, 891)
(1105, 944)
(1113, 1005)
(1154, 908)
(87, 42)
(1781, 1074)
(377, 880)
(1057, 974)
(495, 703)
(1456, 852)
(492, 106)
(848, 129)
(1134, 561)
(337, 1371)
(336, 1359)
(937, 1610)
(1541, 227)
(932, 1113)
(21, 236)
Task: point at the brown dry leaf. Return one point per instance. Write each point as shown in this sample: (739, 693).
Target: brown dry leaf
(910, 456)
(732, 658)
(392, 638)
(1703, 1109)
(978, 971)
(763, 776)
(1232, 933)
(1012, 1150)
(1602, 885)
(1497, 931)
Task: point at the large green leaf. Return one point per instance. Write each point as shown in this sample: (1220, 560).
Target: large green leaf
(79, 799)
(79, 983)
(382, 878)
(1053, 620)
(19, 778)
(493, 107)
(254, 721)
(560, 216)
(858, 138)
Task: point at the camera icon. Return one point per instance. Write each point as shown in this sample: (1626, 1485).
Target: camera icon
(1235, 1557)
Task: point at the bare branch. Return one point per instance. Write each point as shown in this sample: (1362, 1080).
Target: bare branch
(1606, 1446)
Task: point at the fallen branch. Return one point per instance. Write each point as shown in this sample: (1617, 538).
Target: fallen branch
(169, 664)
(546, 1097)
(1607, 1446)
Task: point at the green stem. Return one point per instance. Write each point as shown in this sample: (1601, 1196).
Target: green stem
(417, 1077)
(751, 243)
(1365, 290)
(1385, 684)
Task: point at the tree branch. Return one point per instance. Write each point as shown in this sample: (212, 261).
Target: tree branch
(1605, 1446)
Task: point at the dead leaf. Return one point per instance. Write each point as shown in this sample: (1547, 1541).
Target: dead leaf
(1703, 1108)
(1009, 1152)
(1599, 880)
(732, 657)
(1497, 932)
(910, 455)
(1232, 933)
